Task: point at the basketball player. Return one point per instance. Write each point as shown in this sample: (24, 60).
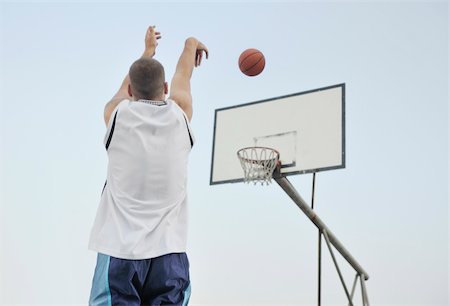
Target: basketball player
(141, 224)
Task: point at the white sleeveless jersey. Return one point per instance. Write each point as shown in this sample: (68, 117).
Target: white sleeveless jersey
(143, 206)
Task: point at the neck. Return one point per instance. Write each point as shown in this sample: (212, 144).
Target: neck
(162, 98)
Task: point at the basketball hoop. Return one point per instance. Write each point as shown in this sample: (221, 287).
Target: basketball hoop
(258, 163)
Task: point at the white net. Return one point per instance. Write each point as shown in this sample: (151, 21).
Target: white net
(258, 163)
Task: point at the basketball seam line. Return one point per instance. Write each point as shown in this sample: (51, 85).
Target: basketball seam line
(262, 57)
(243, 60)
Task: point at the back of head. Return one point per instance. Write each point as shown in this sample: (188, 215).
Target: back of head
(147, 79)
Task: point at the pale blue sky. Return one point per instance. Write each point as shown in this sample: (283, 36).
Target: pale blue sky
(61, 62)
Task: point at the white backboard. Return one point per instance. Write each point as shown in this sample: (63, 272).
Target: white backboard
(307, 128)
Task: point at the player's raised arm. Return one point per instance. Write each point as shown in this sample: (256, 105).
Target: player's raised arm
(151, 37)
(191, 57)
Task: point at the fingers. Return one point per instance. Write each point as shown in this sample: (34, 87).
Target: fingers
(201, 54)
(199, 58)
(151, 30)
(152, 33)
(202, 48)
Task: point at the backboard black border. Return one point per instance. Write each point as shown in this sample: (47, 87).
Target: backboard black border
(342, 85)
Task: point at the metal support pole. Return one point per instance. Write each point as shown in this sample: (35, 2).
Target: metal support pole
(319, 255)
(327, 239)
(313, 190)
(295, 196)
(354, 286)
(364, 293)
(319, 300)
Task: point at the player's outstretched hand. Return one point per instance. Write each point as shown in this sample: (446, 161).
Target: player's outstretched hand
(151, 39)
(199, 53)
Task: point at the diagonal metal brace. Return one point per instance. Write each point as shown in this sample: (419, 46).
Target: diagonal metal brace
(337, 267)
(295, 196)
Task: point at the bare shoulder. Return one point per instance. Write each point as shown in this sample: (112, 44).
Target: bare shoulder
(184, 101)
(111, 106)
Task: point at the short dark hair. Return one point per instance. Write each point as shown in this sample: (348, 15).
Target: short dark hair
(147, 78)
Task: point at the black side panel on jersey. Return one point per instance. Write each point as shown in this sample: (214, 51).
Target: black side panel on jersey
(189, 132)
(112, 131)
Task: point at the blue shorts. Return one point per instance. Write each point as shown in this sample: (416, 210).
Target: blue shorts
(162, 280)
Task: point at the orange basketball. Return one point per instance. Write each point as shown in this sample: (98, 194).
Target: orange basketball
(252, 62)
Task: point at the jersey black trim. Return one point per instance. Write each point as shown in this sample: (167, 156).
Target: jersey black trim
(190, 136)
(153, 102)
(112, 131)
(104, 186)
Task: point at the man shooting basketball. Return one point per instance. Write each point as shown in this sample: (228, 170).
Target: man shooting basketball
(140, 230)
